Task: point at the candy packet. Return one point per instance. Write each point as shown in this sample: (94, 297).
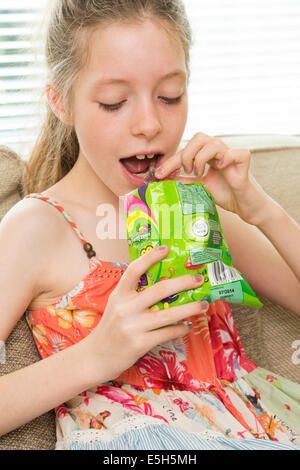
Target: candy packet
(184, 217)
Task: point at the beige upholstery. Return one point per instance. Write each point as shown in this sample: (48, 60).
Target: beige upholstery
(11, 169)
(267, 334)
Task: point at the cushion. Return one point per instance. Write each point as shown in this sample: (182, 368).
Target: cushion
(11, 170)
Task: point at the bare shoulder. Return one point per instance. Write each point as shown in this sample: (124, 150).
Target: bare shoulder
(33, 221)
(29, 232)
(47, 247)
(27, 237)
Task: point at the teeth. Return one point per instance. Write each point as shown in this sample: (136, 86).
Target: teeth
(142, 157)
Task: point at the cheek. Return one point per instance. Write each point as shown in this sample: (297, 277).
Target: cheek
(184, 110)
(176, 127)
(179, 114)
(89, 127)
(177, 121)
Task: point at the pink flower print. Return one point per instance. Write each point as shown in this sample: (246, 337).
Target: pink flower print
(138, 388)
(117, 384)
(127, 400)
(86, 400)
(165, 373)
(61, 411)
(271, 378)
(183, 405)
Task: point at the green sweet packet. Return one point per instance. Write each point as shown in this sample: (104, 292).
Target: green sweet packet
(184, 217)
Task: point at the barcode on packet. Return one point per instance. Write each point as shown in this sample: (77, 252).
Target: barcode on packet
(220, 273)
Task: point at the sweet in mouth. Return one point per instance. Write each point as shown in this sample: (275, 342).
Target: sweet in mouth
(141, 164)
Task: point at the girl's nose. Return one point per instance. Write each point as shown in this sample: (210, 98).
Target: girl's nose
(145, 120)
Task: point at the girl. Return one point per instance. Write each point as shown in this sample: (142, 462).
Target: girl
(117, 89)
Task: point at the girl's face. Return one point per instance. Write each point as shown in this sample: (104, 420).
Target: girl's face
(130, 99)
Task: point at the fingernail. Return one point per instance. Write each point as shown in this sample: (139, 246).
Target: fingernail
(198, 277)
(159, 172)
(204, 305)
(162, 248)
(220, 162)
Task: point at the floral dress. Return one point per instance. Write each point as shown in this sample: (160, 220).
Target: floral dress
(196, 392)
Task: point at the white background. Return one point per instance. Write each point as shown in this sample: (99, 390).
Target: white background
(245, 67)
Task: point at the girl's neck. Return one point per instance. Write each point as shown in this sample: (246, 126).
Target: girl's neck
(81, 192)
(83, 187)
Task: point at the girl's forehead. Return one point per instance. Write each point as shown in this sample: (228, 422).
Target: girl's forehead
(124, 46)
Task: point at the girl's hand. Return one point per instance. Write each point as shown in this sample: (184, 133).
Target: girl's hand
(228, 178)
(128, 329)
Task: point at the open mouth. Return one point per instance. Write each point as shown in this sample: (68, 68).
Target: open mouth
(143, 166)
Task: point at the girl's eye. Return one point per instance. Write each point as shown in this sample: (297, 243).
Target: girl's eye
(116, 106)
(171, 100)
(111, 107)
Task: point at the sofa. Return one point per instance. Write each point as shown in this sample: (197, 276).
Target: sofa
(270, 335)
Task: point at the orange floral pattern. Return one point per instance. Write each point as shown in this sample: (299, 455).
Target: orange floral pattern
(180, 382)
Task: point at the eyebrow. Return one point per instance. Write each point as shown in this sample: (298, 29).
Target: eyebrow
(110, 81)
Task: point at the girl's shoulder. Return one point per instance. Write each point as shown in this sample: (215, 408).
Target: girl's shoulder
(34, 219)
(28, 234)
(34, 227)
(60, 259)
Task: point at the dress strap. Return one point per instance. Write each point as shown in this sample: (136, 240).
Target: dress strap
(88, 248)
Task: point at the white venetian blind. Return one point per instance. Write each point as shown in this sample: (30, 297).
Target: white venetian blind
(21, 72)
(245, 67)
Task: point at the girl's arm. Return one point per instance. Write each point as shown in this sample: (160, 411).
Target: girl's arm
(44, 385)
(32, 391)
(284, 233)
(267, 254)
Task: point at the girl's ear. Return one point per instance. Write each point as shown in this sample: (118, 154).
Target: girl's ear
(55, 102)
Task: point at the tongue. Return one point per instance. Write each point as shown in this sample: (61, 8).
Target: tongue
(136, 166)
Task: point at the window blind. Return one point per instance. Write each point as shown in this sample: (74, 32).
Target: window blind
(21, 72)
(245, 69)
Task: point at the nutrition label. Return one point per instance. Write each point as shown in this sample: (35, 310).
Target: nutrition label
(194, 199)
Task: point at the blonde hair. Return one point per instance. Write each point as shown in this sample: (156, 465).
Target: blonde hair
(56, 149)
